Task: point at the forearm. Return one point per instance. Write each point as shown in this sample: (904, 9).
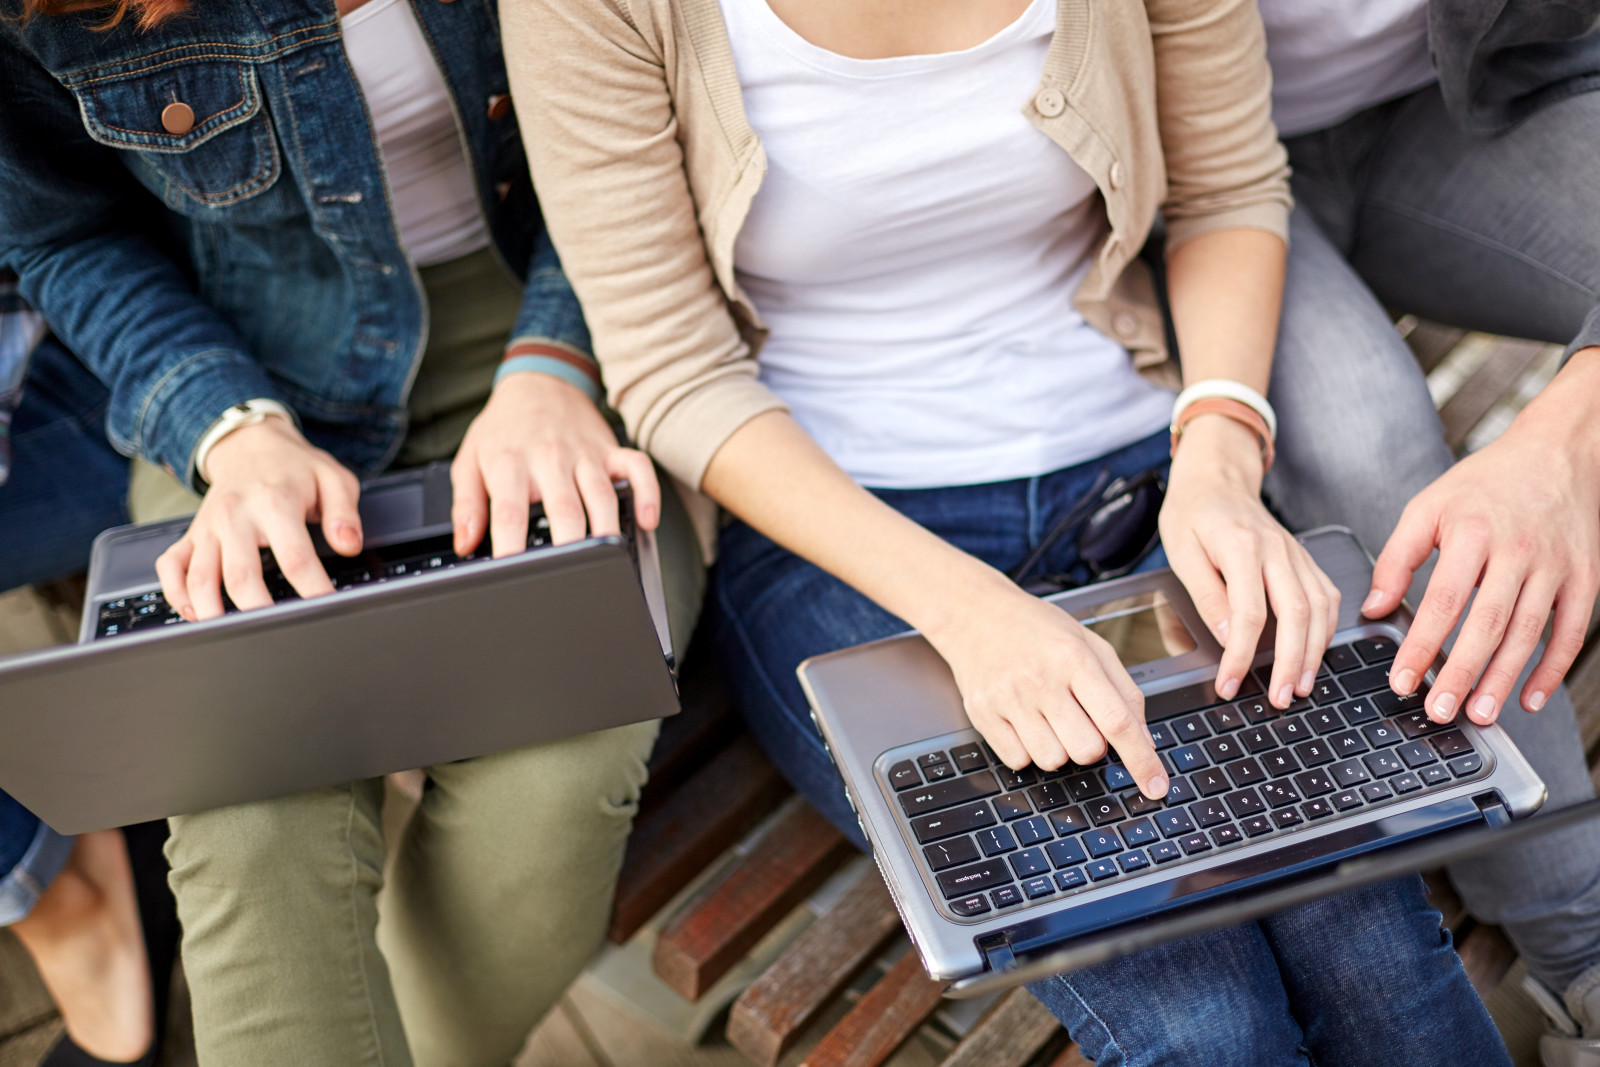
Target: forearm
(774, 477)
(1566, 413)
(1226, 290)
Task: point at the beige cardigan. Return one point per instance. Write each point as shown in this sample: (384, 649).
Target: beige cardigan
(646, 167)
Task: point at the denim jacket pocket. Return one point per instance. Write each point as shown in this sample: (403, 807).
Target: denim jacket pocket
(196, 131)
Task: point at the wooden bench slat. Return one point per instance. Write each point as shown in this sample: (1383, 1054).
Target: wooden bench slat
(1009, 1035)
(676, 839)
(882, 1019)
(1487, 955)
(1510, 360)
(1430, 342)
(770, 1016)
(732, 913)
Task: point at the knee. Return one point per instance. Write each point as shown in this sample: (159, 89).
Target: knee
(598, 775)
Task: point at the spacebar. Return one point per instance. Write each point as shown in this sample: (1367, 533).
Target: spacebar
(951, 791)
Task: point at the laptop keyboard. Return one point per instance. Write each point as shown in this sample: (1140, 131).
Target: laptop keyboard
(993, 839)
(396, 562)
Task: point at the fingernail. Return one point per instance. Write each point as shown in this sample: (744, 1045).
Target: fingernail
(1307, 680)
(1227, 688)
(1157, 787)
(1404, 682)
(1482, 710)
(1222, 631)
(1535, 700)
(1286, 696)
(1374, 598)
(1444, 706)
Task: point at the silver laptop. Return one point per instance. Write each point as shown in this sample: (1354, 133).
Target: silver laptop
(1004, 876)
(420, 657)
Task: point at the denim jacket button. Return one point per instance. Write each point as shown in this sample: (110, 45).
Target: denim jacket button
(177, 118)
(499, 106)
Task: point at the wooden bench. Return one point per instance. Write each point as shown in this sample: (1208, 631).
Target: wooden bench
(833, 992)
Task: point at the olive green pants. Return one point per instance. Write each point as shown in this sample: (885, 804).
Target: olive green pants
(501, 885)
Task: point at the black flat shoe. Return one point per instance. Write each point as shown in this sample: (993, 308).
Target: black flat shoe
(158, 918)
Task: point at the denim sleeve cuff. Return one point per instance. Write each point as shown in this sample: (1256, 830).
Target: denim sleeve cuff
(186, 400)
(544, 356)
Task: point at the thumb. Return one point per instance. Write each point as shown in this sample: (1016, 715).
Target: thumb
(337, 492)
(1408, 548)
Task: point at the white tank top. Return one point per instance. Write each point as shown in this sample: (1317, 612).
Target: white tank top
(430, 183)
(1333, 58)
(915, 247)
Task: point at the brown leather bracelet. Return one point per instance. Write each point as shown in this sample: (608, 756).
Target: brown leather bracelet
(1236, 410)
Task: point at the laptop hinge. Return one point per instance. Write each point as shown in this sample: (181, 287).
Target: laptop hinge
(997, 952)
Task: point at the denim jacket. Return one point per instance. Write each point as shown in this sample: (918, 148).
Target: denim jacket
(1501, 60)
(252, 253)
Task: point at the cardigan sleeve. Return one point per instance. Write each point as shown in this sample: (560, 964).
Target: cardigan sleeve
(1225, 166)
(591, 82)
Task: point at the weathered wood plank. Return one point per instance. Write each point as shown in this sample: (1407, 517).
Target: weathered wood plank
(1487, 955)
(770, 1016)
(1510, 360)
(1012, 1032)
(675, 839)
(1430, 342)
(731, 914)
(882, 1019)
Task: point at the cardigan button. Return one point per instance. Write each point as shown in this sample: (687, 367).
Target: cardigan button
(1050, 102)
(499, 106)
(177, 118)
(1126, 323)
(1114, 178)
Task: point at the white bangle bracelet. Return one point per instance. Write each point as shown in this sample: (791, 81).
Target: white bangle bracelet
(1227, 389)
(247, 413)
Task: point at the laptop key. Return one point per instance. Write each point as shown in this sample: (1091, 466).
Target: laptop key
(1133, 861)
(1291, 730)
(1010, 779)
(1350, 798)
(1165, 852)
(1383, 764)
(1227, 717)
(1068, 853)
(1007, 896)
(1012, 806)
(1071, 879)
(1246, 771)
(1105, 811)
(1341, 658)
(1314, 753)
(903, 775)
(1258, 739)
(1325, 720)
(1434, 774)
(1069, 820)
(1356, 712)
(1208, 813)
(1405, 783)
(1101, 843)
(945, 794)
(1034, 888)
(928, 759)
(968, 758)
(1350, 772)
(1280, 763)
(1416, 754)
(1175, 822)
(1211, 781)
(1161, 736)
(1452, 743)
(1416, 724)
(1284, 818)
(1194, 844)
(1366, 680)
(1226, 835)
(1314, 783)
(1347, 744)
(945, 824)
(1190, 728)
(1116, 776)
(1139, 832)
(1048, 796)
(1032, 831)
(1464, 766)
(1186, 759)
(995, 841)
(938, 772)
(1375, 649)
(1317, 809)
(967, 907)
(1257, 712)
(1326, 691)
(1029, 863)
(1381, 734)
(1279, 794)
(976, 876)
(950, 853)
(1180, 791)
(1256, 825)
(1388, 702)
(1245, 802)
(1100, 870)
(1375, 791)
(1139, 804)
(1084, 786)
(1223, 749)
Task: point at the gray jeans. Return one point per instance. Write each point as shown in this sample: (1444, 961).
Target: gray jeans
(1495, 234)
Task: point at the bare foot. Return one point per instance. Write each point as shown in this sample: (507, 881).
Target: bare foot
(85, 938)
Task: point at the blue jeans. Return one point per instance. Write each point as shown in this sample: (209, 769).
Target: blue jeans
(776, 610)
(1499, 234)
(31, 855)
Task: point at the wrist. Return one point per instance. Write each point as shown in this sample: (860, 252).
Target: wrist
(234, 448)
(1565, 415)
(944, 607)
(1220, 447)
(243, 414)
